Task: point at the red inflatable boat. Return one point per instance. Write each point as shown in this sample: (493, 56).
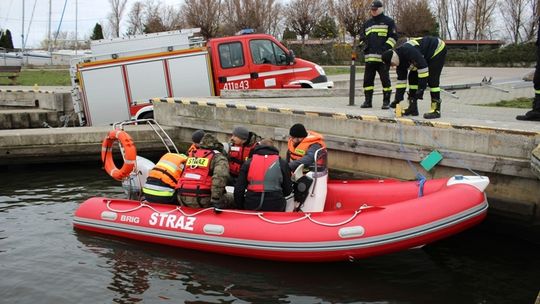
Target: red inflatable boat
(359, 219)
(339, 219)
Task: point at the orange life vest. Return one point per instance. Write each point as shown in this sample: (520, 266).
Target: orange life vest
(300, 150)
(192, 148)
(237, 156)
(196, 179)
(168, 169)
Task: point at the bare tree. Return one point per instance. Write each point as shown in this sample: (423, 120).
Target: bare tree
(172, 17)
(351, 15)
(514, 10)
(443, 15)
(115, 16)
(482, 10)
(415, 18)
(136, 19)
(532, 24)
(205, 14)
(261, 15)
(303, 15)
(459, 12)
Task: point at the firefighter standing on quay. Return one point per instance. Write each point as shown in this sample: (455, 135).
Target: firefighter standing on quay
(534, 114)
(378, 35)
(425, 57)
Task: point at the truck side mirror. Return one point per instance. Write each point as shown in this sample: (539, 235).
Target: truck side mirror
(290, 57)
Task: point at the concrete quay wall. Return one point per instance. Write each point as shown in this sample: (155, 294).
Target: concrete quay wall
(62, 145)
(380, 147)
(23, 109)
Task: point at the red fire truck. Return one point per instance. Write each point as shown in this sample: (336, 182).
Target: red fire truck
(120, 77)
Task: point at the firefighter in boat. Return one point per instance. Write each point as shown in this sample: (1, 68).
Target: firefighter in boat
(267, 179)
(241, 146)
(205, 176)
(302, 146)
(162, 179)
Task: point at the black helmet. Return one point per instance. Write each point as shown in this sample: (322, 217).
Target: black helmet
(376, 4)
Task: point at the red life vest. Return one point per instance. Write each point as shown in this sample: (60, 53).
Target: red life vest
(196, 179)
(237, 156)
(264, 174)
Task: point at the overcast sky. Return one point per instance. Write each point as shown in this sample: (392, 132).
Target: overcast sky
(90, 12)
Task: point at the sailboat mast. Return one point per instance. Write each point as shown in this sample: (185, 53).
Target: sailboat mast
(49, 31)
(22, 32)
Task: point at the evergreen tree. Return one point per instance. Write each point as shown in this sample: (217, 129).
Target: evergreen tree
(97, 34)
(326, 28)
(2, 39)
(8, 41)
(288, 34)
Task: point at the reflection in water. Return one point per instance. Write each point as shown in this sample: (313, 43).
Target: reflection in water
(414, 276)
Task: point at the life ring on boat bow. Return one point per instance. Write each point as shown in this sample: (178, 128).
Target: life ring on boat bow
(129, 155)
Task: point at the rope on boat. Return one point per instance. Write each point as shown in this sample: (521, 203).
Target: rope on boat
(260, 215)
(356, 212)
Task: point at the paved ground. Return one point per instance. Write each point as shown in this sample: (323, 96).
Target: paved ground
(462, 107)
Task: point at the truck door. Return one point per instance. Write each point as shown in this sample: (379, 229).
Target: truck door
(269, 67)
(231, 70)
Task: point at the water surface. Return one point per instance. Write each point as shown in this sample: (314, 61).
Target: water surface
(44, 260)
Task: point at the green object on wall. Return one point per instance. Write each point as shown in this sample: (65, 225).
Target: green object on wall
(431, 160)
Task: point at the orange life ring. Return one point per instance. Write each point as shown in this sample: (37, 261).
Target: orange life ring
(130, 154)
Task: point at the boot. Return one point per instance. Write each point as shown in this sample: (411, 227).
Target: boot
(533, 114)
(394, 104)
(435, 110)
(412, 110)
(369, 98)
(386, 100)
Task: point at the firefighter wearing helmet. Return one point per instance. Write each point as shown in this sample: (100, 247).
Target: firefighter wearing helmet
(378, 35)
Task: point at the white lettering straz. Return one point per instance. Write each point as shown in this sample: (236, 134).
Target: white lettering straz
(172, 221)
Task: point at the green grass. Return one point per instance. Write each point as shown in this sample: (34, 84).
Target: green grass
(336, 70)
(41, 78)
(522, 103)
(29, 77)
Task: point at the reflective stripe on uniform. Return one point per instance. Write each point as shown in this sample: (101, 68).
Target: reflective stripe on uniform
(413, 87)
(391, 42)
(387, 89)
(167, 165)
(381, 30)
(440, 47)
(157, 190)
(370, 88)
(401, 86)
(158, 193)
(423, 73)
(537, 92)
(413, 42)
(373, 58)
(435, 90)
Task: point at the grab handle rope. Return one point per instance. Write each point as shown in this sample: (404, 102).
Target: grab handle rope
(260, 215)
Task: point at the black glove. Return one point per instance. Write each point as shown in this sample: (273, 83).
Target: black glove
(399, 95)
(216, 203)
(419, 94)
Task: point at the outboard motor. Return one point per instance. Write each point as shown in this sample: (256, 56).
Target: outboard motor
(310, 189)
(134, 183)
